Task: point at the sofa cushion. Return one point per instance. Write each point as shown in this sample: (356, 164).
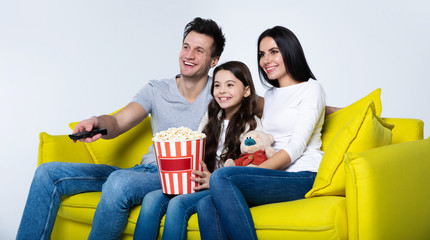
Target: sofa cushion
(61, 148)
(125, 150)
(361, 133)
(334, 122)
(316, 218)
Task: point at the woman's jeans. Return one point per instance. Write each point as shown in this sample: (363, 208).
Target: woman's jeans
(121, 189)
(179, 210)
(225, 213)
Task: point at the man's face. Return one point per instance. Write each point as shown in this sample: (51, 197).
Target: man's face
(195, 59)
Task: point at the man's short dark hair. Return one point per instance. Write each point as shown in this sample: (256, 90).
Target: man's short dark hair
(210, 28)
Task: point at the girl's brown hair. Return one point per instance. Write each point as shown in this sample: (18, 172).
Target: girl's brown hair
(240, 120)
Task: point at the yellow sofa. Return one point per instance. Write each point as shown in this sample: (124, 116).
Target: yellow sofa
(376, 191)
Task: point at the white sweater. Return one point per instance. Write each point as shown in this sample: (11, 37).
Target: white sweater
(294, 115)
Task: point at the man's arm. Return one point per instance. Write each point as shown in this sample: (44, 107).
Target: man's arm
(116, 124)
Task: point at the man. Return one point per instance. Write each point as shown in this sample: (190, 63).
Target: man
(179, 101)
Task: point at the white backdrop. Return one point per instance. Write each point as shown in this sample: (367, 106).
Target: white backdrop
(63, 61)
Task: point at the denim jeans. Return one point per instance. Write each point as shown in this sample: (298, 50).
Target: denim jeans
(234, 189)
(121, 189)
(179, 210)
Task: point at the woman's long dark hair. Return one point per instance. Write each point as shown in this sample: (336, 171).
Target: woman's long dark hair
(237, 124)
(292, 53)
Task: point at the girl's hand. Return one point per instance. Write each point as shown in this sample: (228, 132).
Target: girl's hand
(203, 178)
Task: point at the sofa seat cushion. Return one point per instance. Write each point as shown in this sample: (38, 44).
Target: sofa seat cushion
(316, 218)
(81, 208)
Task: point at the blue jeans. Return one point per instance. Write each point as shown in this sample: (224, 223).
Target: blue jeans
(179, 210)
(225, 214)
(121, 189)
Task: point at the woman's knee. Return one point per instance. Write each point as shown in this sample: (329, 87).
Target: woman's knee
(220, 176)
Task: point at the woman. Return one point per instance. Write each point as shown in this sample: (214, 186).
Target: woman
(294, 114)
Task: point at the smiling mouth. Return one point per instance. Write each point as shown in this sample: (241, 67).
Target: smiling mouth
(224, 99)
(270, 69)
(189, 64)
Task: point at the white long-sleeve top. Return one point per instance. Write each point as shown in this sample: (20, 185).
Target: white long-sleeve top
(294, 115)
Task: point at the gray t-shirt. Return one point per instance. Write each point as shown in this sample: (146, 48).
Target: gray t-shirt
(168, 108)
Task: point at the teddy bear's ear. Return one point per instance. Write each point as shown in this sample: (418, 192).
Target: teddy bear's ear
(242, 137)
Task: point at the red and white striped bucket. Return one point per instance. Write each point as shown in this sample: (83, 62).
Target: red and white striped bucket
(176, 160)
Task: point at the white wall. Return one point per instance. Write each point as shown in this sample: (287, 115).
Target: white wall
(63, 61)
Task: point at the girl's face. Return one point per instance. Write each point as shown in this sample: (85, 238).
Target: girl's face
(271, 60)
(229, 92)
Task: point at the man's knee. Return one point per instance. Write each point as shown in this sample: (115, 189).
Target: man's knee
(47, 170)
(118, 181)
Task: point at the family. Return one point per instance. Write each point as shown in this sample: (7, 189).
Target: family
(224, 107)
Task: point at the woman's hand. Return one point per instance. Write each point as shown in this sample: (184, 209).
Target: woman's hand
(203, 178)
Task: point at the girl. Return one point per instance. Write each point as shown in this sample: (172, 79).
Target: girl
(230, 113)
(294, 115)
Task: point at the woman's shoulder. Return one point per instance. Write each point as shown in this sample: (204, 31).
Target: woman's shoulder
(314, 87)
(311, 83)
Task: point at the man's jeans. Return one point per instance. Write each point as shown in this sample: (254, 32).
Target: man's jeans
(225, 213)
(121, 189)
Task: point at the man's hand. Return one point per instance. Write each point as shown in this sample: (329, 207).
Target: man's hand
(88, 125)
(203, 178)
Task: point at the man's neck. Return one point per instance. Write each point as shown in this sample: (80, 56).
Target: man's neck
(191, 88)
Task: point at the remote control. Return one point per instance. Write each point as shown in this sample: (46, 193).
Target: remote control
(86, 134)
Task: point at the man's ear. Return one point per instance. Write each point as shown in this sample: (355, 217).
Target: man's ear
(214, 61)
(247, 91)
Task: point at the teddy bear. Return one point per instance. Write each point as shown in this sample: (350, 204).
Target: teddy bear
(256, 147)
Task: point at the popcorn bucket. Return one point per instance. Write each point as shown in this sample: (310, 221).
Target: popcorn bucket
(176, 160)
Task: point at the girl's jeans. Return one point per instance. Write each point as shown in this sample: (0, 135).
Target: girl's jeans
(179, 210)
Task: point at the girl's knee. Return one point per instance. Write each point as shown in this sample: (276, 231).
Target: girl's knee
(204, 203)
(154, 199)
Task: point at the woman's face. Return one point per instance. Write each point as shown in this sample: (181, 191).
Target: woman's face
(229, 91)
(271, 60)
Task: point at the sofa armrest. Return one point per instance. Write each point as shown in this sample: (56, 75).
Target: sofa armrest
(387, 192)
(406, 129)
(59, 148)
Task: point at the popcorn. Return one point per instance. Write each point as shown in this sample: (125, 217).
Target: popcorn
(177, 134)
